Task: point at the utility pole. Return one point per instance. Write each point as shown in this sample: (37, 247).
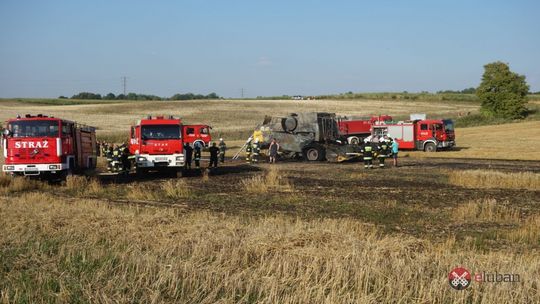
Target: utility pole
(124, 81)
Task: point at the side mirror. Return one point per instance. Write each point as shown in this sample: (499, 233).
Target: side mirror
(6, 132)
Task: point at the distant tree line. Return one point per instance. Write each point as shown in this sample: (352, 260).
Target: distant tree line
(464, 91)
(134, 96)
(191, 96)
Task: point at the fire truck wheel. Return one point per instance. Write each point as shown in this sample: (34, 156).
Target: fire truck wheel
(71, 170)
(199, 142)
(314, 153)
(141, 172)
(430, 147)
(354, 140)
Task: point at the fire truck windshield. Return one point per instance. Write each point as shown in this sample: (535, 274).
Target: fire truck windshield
(160, 132)
(448, 125)
(34, 128)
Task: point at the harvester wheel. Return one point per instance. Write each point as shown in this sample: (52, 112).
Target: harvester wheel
(430, 147)
(314, 153)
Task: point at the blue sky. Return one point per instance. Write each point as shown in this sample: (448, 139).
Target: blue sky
(52, 48)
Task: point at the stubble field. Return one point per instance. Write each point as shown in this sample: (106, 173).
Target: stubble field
(286, 233)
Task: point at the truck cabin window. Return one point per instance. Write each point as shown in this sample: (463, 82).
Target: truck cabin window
(423, 127)
(449, 126)
(66, 129)
(190, 131)
(204, 130)
(34, 128)
(161, 132)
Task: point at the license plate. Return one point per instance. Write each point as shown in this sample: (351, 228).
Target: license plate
(31, 171)
(161, 158)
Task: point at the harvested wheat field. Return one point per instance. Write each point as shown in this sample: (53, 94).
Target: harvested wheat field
(293, 232)
(320, 233)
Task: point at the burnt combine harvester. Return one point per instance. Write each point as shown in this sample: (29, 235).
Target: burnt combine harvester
(312, 136)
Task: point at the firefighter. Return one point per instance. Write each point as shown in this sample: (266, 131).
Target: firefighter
(248, 152)
(214, 152)
(126, 159)
(189, 155)
(367, 151)
(222, 149)
(115, 158)
(197, 155)
(384, 150)
(109, 155)
(255, 151)
(98, 148)
(104, 149)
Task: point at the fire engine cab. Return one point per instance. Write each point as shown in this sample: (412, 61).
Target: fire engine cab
(47, 146)
(423, 134)
(197, 134)
(156, 144)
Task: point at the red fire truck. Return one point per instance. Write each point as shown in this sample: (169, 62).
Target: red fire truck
(48, 147)
(197, 134)
(354, 130)
(428, 135)
(156, 144)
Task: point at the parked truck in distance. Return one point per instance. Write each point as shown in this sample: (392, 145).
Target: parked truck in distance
(419, 133)
(156, 143)
(353, 130)
(48, 147)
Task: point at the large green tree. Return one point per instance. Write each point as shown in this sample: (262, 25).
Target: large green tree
(503, 93)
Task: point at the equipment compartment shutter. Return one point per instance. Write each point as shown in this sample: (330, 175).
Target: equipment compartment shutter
(395, 132)
(408, 133)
